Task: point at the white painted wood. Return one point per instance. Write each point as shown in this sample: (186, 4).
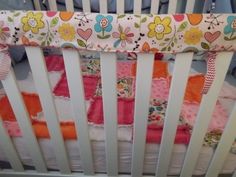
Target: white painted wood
(234, 175)
(175, 100)
(223, 147)
(172, 6)
(103, 6)
(76, 88)
(190, 6)
(120, 6)
(109, 95)
(137, 6)
(142, 97)
(155, 6)
(24, 122)
(52, 5)
(39, 71)
(69, 5)
(86, 5)
(9, 149)
(205, 113)
(37, 5)
(8, 173)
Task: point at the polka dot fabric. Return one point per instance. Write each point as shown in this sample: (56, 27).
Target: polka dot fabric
(160, 89)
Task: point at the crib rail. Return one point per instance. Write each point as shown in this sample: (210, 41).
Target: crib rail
(120, 6)
(142, 96)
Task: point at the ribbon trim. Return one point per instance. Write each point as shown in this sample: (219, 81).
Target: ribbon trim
(5, 62)
(211, 72)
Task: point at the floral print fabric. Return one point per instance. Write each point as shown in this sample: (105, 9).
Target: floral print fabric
(124, 88)
(157, 111)
(120, 32)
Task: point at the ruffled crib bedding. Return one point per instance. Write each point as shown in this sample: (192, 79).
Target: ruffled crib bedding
(126, 92)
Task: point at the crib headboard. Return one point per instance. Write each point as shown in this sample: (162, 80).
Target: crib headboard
(108, 59)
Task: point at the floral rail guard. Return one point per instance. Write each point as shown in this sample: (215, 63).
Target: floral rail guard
(124, 32)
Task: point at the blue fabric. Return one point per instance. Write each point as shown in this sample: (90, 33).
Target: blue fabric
(221, 6)
(16, 5)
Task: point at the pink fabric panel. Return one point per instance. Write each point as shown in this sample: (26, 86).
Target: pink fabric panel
(12, 128)
(124, 68)
(182, 136)
(228, 91)
(219, 117)
(160, 89)
(90, 83)
(125, 111)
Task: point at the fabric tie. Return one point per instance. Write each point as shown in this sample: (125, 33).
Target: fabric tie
(5, 62)
(211, 71)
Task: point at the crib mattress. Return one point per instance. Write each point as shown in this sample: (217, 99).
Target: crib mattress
(125, 157)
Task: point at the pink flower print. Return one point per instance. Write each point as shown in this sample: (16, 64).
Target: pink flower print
(123, 36)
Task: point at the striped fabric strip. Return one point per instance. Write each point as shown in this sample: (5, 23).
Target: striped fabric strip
(211, 71)
(5, 62)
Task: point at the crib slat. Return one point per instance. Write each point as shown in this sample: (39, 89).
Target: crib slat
(189, 6)
(120, 6)
(23, 120)
(86, 5)
(109, 95)
(234, 174)
(223, 147)
(175, 100)
(75, 82)
(142, 97)
(172, 6)
(37, 5)
(204, 115)
(137, 6)
(39, 71)
(9, 149)
(155, 6)
(52, 5)
(103, 6)
(69, 5)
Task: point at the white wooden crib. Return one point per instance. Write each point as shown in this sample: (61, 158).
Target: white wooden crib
(108, 74)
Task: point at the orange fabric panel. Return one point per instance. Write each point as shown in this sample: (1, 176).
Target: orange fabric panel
(32, 104)
(160, 69)
(193, 92)
(67, 129)
(194, 88)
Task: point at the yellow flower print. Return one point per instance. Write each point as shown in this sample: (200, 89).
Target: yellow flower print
(32, 22)
(66, 31)
(159, 27)
(193, 36)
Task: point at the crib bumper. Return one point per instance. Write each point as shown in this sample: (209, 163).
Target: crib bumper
(126, 33)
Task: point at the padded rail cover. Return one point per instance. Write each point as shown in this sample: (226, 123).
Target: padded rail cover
(120, 32)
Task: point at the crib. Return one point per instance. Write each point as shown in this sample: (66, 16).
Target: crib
(145, 60)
